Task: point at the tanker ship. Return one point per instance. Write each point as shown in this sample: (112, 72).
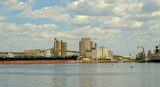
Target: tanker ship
(37, 60)
(156, 56)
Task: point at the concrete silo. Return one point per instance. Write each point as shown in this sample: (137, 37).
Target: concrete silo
(63, 47)
(85, 45)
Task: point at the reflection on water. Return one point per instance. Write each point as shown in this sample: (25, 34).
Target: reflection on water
(81, 75)
(86, 81)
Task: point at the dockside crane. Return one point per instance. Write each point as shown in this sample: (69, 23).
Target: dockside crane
(143, 50)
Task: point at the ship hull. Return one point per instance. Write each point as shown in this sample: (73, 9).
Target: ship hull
(155, 59)
(37, 60)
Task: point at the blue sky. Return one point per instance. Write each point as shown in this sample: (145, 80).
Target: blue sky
(120, 25)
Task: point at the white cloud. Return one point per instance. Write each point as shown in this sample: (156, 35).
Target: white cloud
(59, 14)
(95, 33)
(87, 12)
(90, 7)
(150, 6)
(26, 30)
(137, 24)
(20, 37)
(83, 20)
(121, 23)
(104, 7)
(157, 13)
(9, 5)
(3, 17)
(55, 13)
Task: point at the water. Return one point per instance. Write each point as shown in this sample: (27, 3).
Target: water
(81, 75)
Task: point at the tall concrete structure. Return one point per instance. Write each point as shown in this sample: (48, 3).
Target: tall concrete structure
(101, 53)
(60, 45)
(63, 47)
(149, 54)
(110, 54)
(57, 46)
(86, 49)
(141, 56)
(85, 45)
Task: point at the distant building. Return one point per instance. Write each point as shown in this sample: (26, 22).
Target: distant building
(14, 53)
(149, 54)
(33, 52)
(60, 47)
(129, 58)
(101, 53)
(63, 47)
(57, 46)
(47, 54)
(141, 56)
(85, 45)
(86, 49)
(117, 57)
(9, 54)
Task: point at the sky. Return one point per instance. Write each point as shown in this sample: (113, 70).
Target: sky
(120, 25)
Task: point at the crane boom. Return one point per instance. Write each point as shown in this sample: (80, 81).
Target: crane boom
(143, 50)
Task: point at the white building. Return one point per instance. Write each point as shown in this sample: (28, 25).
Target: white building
(101, 53)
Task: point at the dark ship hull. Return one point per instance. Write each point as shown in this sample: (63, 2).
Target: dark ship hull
(155, 58)
(42, 60)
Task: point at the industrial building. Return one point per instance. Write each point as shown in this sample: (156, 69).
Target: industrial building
(33, 51)
(101, 53)
(37, 52)
(60, 47)
(15, 53)
(87, 50)
(85, 45)
(141, 56)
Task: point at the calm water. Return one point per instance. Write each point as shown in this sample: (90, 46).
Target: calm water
(81, 75)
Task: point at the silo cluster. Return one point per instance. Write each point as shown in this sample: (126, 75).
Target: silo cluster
(85, 45)
(60, 48)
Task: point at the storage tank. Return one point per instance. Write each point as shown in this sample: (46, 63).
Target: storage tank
(82, 47)
(63, 47)
(57, 46)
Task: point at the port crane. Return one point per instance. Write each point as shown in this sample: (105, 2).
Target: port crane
(143, 50)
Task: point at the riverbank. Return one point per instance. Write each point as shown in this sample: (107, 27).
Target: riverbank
(103, 61)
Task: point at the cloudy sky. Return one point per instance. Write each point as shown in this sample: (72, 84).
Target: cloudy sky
(120, 25)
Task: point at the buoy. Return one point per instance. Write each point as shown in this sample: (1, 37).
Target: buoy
(131, 66)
